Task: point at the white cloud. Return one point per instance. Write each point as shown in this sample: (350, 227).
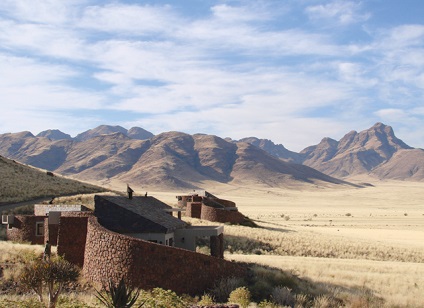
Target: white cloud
(31, 85)
(44, 12)
(246, 66)
(340, 11)
(138, 20)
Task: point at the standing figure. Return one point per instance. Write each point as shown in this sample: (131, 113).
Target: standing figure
(47, 251)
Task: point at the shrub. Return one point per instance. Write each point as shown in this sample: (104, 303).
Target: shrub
(348, 214)
(160, 298)
(283, 296)
(206, 300)
(118, 295)
(301, 301)
(287, 217)
(267, 304)
(240, 296)
(263, 280)
(323, 301)
(222, 288)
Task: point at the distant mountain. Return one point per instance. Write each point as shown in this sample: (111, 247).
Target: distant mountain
(54, 134)
(176, 159)
(22, 183)
(277, 150)
(170, 159)
(134, 133)
(356, 153)
(139, 133)
(375, 152)
(100, 130)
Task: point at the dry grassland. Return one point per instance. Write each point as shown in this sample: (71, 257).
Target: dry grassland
(20, 182)
(348, 238)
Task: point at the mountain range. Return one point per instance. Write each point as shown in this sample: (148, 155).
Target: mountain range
(177, 160)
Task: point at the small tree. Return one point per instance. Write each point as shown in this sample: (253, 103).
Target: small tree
(54, 274)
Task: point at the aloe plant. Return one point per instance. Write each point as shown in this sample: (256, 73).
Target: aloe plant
(119, 296)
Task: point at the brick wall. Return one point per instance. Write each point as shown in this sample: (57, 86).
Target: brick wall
(193, 209)
(110, 255)
(72, 237)
(220, 215)
(23, 229)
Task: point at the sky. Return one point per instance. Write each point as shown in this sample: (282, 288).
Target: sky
(292, 71)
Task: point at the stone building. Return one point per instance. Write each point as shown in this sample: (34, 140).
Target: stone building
(204, 205)
(137, 239)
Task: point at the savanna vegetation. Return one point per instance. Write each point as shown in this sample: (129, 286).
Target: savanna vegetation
(351, 248)
(21, 183)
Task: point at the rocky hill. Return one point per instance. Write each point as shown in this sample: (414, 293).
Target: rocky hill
(376, 152)
(170, 159)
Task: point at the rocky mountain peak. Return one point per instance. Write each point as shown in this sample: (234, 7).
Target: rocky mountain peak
(54, 134)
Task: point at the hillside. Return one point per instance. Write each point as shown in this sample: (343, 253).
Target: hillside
(21, 183)
(169, 160)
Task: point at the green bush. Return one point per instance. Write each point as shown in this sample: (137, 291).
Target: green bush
(222, 288)
(267, 304)
(240, 296)
(206, 300)
(160, 298)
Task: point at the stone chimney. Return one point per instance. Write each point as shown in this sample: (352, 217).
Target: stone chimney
(129, 192)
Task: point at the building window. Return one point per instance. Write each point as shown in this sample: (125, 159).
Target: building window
(39, 228)
(10, 226)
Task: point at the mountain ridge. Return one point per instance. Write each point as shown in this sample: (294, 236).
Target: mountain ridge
(179, 159)
(171, 159)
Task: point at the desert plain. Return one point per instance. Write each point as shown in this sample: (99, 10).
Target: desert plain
(366, 240)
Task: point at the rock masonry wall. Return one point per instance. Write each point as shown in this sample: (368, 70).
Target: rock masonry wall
(71, 240)
(110, 255)
(23, 229)
(193, 209)
(221, 215)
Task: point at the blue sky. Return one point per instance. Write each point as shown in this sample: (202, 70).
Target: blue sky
(291, 71)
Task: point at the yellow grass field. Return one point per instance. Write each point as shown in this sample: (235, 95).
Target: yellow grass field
(369, 238)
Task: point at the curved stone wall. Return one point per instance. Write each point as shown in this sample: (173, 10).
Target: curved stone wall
(221, 215)
(110, 255)
(226, 203)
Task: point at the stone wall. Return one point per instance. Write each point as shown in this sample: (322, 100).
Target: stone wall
(110, 255)
(72, 236)
(23, 229)
(226, 203)
(221, 215)
(51, 233)
(193, 209)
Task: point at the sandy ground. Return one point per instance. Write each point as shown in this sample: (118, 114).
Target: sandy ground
(391, 212)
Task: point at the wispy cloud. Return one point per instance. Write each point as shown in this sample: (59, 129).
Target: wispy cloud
(339, 11)
(235, 68)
